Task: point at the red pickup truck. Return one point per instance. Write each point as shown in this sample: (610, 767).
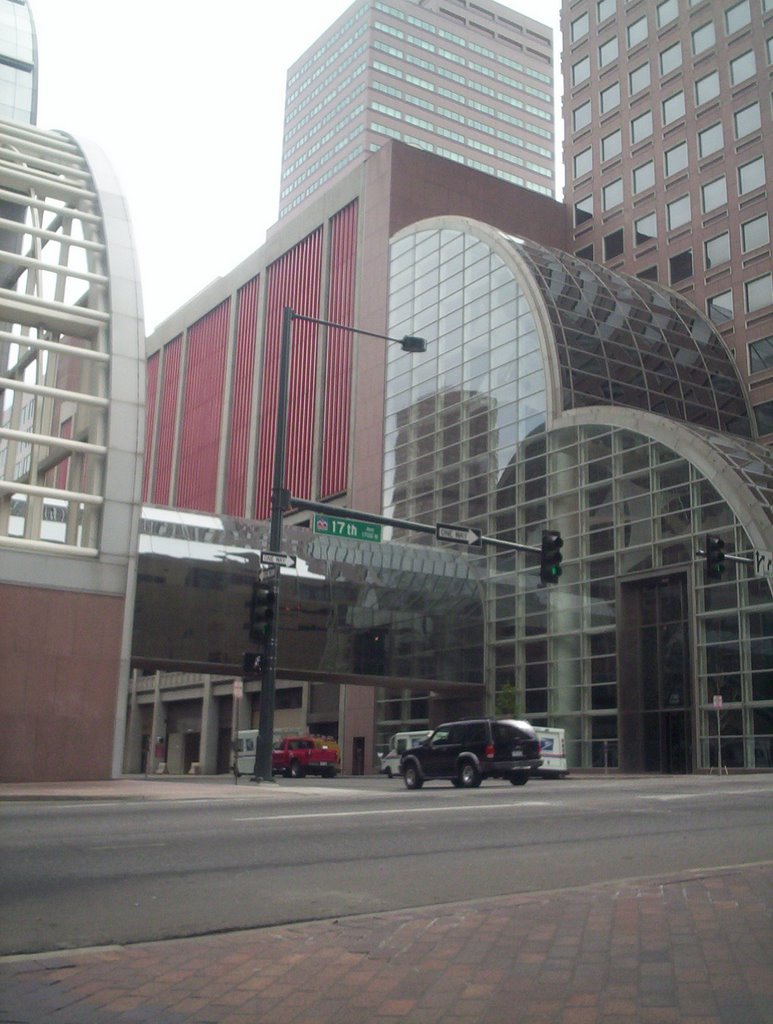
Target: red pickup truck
(296, 756)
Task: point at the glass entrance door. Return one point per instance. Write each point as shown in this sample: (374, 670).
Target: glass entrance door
(655, 690)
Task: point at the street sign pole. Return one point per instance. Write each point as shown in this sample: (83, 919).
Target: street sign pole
(718, 708)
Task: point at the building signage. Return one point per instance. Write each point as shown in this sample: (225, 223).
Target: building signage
(763, 563)
(353, 529)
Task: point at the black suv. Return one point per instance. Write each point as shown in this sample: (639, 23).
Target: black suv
(466, 752)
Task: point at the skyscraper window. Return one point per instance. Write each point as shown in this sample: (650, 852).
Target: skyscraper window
(755, 233)
(711, 139)
(707, 88)
(747, 120)
(673, 108)
(639, 79)
(676, 158)
(717, 250)
(612, 145)
(758, 293)
(714, 194)
(737, 17)
(644, 176)
(667, 11)
(645, 229)
(703, 38)
(580, 27)
(608, 52)
(641, 127)
(751, 175)
(671, 58)
(678, 212)
(610, 98)
(637, 31)
(742, 67)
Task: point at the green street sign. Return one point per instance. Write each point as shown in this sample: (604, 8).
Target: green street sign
(352, 529)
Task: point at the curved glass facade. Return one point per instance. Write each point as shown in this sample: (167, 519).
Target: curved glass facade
(628, 650)
(620, 341)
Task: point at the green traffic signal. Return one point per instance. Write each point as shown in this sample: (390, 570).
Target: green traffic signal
(551, 558)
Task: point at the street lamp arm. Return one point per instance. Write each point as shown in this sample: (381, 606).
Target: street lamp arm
(410, 343)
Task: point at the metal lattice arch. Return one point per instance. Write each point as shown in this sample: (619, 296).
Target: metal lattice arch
(71, 380)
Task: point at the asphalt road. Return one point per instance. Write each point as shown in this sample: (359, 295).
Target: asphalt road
(95, 873)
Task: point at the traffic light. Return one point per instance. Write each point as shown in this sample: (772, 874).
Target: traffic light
(550, 564)
(715, 557)
(262, 605)
(252, 664)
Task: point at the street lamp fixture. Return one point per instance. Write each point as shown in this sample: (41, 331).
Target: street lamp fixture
(280, 502)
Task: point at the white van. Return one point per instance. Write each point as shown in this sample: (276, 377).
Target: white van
(553, 753)
(398, 744)
(244, 754)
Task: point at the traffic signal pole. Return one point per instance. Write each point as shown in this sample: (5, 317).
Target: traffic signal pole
(279, 502)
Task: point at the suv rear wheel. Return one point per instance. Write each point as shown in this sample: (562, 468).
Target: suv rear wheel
(469, 776)
(412, 776)
(519, 778)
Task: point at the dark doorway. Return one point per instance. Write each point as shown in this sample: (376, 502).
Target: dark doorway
(358, 755)
(655, 677)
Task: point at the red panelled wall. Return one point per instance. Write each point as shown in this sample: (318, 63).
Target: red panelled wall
(293, 280)
(338, 358)
(241, 399)
(167, 418)
(202, 411)
(150, 420)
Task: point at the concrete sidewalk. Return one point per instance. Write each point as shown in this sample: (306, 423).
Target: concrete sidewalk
(151, 787)
(695, 949)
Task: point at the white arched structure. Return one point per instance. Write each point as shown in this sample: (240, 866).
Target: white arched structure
(71, 443)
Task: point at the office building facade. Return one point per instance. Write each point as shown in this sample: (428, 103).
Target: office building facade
(472, 82)
(211, 412)
(18, 63)
(668, 156)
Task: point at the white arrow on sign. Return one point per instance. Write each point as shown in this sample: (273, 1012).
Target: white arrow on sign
(277, 558)
(458, 534)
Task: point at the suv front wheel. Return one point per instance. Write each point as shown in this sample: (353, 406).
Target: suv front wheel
(412, 776)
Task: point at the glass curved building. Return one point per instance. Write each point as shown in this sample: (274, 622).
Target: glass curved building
(558, 394)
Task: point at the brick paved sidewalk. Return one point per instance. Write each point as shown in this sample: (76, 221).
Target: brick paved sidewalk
(694, 949)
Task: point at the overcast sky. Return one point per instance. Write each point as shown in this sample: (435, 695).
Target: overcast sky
(186, 99)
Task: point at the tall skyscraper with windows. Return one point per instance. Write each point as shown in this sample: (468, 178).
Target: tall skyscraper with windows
(669, 149)
(472, 82)
(18, 63)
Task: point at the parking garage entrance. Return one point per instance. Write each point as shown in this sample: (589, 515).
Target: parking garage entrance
(656, 707)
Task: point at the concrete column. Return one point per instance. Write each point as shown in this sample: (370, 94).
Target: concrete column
(209, 730)
(132, 758)
(159, 727)
(565, 693)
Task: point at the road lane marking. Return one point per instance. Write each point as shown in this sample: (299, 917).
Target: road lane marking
(127, 846)
(301, 816)
(695, 794)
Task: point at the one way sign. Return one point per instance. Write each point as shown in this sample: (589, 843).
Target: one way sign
(459, 534)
